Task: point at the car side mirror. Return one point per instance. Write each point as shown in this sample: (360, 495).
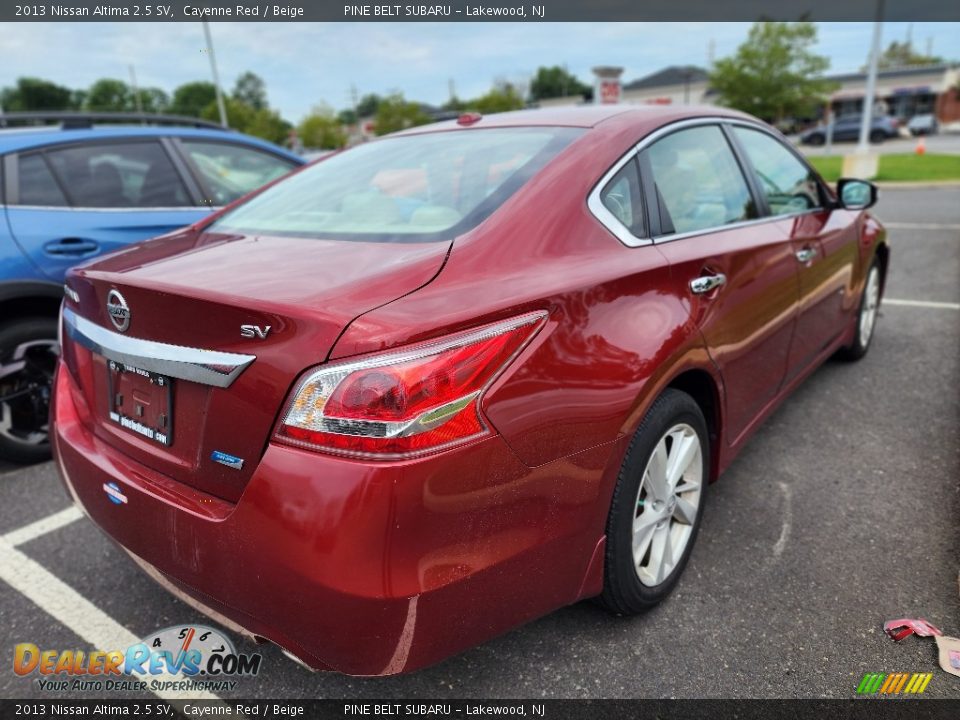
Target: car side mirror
(856, 194)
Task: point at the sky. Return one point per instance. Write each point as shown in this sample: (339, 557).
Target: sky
(306, 64)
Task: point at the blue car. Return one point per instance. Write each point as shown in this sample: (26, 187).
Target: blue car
(72, 192)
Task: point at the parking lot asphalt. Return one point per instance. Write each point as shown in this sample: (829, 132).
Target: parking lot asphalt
(843, 512)
(948, 143)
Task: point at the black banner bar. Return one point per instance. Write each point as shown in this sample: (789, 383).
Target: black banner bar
(437, 709)
(474, 10)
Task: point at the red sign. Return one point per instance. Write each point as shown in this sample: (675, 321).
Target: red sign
(609, 92)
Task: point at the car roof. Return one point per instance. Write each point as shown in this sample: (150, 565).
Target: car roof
(587, 116)
(26, 138)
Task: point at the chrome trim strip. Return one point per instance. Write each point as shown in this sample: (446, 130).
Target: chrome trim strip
(607, 219)
(207, 367)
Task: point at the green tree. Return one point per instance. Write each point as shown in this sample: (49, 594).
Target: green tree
(322, 129)
(499, 99)
(394, 113)
(152, 100)
(264, 123)
(109, 95)
(774, 74)
(455, 104)
(35, 94)
(368, 105)
(556, 81)
(902, 54)
(251, 90)
(193, 98)
(347, 117)
(78, 99)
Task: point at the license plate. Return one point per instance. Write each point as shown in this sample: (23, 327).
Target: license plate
(141, 401)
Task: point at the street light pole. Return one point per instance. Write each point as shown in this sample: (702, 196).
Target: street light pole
(866, 121)
(136, 91)
(216, 76)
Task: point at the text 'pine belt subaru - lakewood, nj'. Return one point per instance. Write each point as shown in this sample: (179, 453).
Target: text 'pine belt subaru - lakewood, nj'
(448, 381)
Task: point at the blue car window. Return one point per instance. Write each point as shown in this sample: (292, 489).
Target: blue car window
(231, 171)
(37, 184)
(119, 175)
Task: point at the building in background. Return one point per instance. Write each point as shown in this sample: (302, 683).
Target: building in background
(674, 85)
(902, 92)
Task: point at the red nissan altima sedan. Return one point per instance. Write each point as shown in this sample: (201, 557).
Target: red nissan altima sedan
(448, 381)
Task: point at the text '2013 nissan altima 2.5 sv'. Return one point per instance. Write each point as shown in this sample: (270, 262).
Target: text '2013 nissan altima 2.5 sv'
(448, 381)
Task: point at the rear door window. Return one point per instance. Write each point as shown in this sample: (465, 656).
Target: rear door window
(699, 182)
(118, 175)
(37, 186)
(230, 171)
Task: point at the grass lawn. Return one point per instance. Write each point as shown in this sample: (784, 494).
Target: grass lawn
(908, 167)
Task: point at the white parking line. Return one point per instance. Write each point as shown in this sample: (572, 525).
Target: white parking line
(921, 226)
(922, 304)
(43, 526)
(70, 608)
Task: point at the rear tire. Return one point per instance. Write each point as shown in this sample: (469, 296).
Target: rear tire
(816, 140)
(28, 355)
(866, 316)
(878, 136)
(657, 505)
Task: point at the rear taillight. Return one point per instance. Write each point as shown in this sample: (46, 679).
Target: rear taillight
(405, 402)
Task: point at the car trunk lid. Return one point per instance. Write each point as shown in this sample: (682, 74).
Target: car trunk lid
(188, 298)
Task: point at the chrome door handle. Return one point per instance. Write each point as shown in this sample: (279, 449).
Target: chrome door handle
(707, 283)
(806, 255)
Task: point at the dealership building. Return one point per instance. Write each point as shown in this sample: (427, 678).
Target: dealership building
(901, 92)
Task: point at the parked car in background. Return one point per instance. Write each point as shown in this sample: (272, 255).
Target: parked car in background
(447, 381)
(848, 129)
(923, 125)
(78, 190)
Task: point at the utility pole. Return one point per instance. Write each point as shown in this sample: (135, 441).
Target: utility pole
(451, 91)
(866, 122)
(136, 91)
(216, 76)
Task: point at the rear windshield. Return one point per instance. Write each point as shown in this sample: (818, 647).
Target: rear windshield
(411, 188)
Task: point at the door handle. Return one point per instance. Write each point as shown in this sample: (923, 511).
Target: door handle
(806, 254)
(707, 283)
(71, 246)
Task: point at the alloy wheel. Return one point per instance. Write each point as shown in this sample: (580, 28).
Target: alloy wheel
(667, 504)
(26, 377)
(871, 302)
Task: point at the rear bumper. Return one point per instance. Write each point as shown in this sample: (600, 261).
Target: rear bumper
(364, 568)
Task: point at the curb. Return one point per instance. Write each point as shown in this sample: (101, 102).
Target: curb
(917, 185)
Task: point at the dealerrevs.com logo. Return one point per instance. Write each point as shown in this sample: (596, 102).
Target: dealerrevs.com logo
(183, 657)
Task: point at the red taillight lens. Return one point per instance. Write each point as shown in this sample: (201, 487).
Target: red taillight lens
(407, 402)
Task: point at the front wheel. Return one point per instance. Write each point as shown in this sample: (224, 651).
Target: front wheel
(866, 316)
(657, 505)
(28, 356)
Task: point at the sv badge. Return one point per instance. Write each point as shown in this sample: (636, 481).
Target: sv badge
(254, 331)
